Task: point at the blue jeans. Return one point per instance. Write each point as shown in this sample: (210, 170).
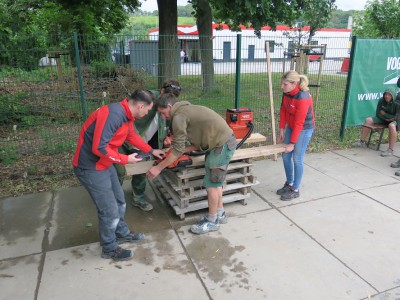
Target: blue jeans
(293, 162)
(108, 196)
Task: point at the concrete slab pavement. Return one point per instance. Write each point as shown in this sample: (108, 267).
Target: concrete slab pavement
(339, 240)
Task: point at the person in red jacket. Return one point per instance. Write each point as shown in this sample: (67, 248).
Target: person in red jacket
(296, 129)
(103, 132)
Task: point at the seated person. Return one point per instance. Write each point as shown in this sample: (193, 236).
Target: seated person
(385, 114)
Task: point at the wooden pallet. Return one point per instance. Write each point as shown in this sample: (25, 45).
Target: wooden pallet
(163, 193)
(184, 190)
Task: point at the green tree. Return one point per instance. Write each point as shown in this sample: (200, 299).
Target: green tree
(381, 19)
(168, 52)
(340, 18)
(185, 11)
(255, 14)
(316, 14)
(204, 25)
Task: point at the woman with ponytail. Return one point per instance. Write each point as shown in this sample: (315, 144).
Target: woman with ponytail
(296, 129)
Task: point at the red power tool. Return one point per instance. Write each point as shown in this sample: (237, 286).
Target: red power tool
(182, 161)
(240, 120)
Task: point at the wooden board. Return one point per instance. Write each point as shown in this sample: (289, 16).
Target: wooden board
(262, 151)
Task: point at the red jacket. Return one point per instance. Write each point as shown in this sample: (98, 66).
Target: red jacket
(104, 131)
(296, 112)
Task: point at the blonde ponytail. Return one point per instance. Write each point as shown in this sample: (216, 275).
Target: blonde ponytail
(303, 83)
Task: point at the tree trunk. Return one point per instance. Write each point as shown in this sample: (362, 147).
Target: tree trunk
(168, 50)
(204, 26)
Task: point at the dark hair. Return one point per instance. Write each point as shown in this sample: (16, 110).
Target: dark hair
(142, 95)
(166, 99)
(172, 85)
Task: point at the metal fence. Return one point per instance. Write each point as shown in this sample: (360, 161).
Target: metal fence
(46, 91)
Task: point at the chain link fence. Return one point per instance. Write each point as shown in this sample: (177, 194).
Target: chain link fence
(47, 91)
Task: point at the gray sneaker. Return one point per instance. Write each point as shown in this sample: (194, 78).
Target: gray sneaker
(223, 219)
(388, 152)
(204, 226)
(397, 173)
(396, 164)
(360, 144)
(142, 204)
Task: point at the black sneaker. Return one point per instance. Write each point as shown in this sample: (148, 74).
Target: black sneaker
(291, 194)
(395, 164)
(284, 190)
(131, 238)
(118, 254)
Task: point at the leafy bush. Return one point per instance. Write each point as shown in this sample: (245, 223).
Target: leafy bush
(12, 108)
(104, 69)
(8, 154)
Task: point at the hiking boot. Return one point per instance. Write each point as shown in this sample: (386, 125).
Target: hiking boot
(396, 164)
(397, 173)
(204, 226)
(118, 254)
(131, 238)
(291, 194)
(388, 152)
(285, 189)
(223, 219)
(360, 144)
(142, 204)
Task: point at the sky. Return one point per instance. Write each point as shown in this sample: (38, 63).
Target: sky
(151, 5)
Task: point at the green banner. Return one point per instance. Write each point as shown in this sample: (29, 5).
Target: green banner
(375, 67)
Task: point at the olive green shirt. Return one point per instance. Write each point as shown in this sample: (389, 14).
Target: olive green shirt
(199, 125)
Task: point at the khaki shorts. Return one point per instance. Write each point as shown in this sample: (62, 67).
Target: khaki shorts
(376, 120)
(216, 164)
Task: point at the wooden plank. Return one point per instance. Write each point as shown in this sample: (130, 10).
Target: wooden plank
(189, 188)
(262, 151)
(202, 193)
(200, 172)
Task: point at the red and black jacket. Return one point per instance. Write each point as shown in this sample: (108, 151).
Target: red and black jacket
(297, 112)
(104, 131)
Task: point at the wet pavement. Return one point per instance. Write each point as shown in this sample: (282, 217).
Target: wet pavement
(339, 240)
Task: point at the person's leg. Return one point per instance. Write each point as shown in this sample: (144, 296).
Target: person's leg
(365, 130)
(99, 186)
(214, 196)
(138, 184)
(121, 172)
(122, 228)
(298, 156)
(216, 165)
(392, 135)
(287, 159)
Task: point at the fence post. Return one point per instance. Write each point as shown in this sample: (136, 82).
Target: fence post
(80, 78)
(238, 64)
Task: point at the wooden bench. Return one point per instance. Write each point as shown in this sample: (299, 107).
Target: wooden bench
(376, 128)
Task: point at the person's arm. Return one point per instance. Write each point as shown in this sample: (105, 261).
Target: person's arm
(156, 170)
(178, 146)
(282, 114)
(136, 140)
(103, 133)
(302, 108)
(379, 111)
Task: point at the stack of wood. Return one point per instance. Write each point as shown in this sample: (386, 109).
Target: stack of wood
(183, 189)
